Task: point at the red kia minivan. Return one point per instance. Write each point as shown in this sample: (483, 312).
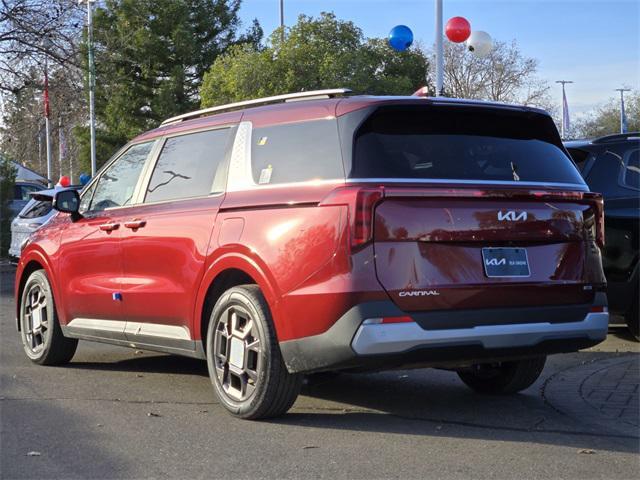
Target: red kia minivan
(320, 231)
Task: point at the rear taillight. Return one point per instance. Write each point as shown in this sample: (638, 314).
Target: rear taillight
(598, 202)
(361, 202)
(599, 309)
(600, 222)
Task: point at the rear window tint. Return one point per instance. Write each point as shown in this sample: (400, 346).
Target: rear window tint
(460, 144)
(296, 152)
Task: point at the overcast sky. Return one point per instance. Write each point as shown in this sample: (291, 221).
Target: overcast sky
(594, 43)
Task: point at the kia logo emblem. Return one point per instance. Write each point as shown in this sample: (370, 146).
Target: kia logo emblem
(511, 216)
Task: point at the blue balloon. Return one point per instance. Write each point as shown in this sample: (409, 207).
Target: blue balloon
(84, 179)
(400, 38)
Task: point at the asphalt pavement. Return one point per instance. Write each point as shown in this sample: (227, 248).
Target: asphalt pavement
(119, 413)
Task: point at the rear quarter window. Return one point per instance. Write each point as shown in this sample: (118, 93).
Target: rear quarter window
(460, 144)
(296, 152)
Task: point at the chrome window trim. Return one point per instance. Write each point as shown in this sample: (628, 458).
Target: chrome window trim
(573, 186)
(162, 202)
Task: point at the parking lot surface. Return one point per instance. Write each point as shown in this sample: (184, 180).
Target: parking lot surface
(120, 413)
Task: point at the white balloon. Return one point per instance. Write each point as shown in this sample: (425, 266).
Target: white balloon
(479, 43)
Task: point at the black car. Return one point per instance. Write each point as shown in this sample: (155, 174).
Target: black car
(611, 166)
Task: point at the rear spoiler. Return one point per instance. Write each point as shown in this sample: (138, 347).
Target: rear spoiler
(42, 196)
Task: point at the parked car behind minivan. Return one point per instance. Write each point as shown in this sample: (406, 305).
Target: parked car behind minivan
(33, 216)
(319, 231)
(611, 165)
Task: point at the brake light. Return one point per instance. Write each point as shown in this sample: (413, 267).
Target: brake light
(599, 220)
(361, 202)
(599, 309)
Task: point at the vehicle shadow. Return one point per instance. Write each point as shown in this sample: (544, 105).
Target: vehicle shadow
(413, 402)
(145, 363)
(436, 403)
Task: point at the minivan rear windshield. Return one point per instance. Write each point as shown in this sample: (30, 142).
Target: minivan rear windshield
(460, 143)
(36, 209)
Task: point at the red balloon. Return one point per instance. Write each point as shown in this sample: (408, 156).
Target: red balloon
(458, 29)
(64, 181)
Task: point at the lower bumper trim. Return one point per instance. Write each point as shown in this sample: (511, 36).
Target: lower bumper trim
(375, 339)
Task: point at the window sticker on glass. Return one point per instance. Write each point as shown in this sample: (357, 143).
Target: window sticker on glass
(262, 141)
(265, 175)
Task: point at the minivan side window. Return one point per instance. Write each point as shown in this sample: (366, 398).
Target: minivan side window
(296, 152)
(188, 166)
(117, 183)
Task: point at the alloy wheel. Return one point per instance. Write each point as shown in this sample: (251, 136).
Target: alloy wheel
(237, 353)
(35, 319)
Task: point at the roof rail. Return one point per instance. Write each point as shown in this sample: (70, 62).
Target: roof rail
(289, 97)
(616, 137)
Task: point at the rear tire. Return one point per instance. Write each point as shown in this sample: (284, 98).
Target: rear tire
(503, 378)
(245, 365)
(40, 330)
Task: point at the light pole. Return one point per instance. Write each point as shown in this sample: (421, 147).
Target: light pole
(282, 21)
(47, 113)
(92, 83)
(439, 49)
(623, 117)
(565, 109)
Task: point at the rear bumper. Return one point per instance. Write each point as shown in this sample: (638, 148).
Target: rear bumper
(401, 337)
(356, 341)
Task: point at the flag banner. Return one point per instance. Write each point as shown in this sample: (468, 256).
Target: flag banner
(565, 114)
(45, 95)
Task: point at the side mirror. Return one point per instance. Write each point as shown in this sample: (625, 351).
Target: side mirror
(67, 201)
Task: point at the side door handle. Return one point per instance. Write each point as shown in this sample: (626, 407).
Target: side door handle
(135, 224)
(108, 227)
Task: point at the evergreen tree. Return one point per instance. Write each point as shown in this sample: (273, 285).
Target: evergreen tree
(151, 56)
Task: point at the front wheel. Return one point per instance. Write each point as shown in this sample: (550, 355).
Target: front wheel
(41, 334)
(503, 378)
(243, 356)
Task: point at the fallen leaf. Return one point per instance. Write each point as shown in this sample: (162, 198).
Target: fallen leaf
(153, 414)
(33, 454)
(587, 451)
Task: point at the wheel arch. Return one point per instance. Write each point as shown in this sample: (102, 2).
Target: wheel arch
(226, 272)
(30, 266)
